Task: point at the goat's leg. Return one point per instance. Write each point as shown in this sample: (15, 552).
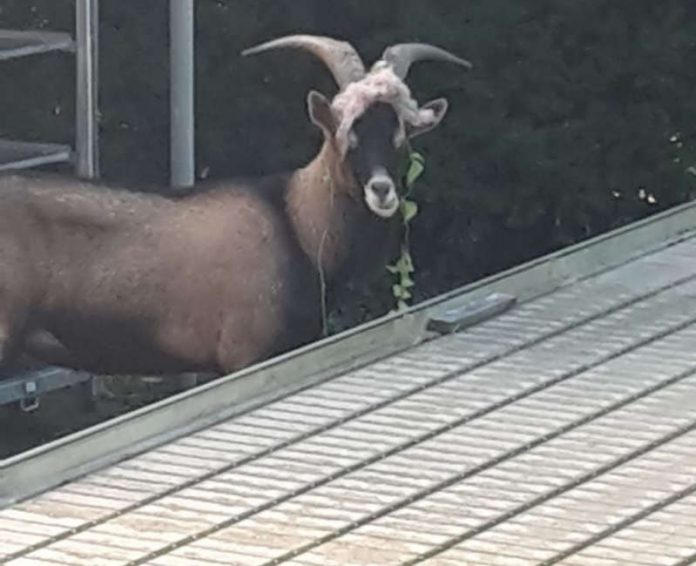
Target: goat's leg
(9, 349)
(15, 301)
(241, 345)
(237, 350)
(45, 347)
(5, 357)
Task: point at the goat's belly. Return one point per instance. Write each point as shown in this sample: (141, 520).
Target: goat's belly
(195, 322)
(120, 348)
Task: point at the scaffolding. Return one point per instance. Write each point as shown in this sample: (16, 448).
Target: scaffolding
(26, 389)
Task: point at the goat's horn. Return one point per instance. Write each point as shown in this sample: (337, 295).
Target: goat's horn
(401, 56)
(340, 57)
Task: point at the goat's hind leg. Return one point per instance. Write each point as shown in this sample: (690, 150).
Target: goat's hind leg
(46, 348)
(9, 348)
(15, 298)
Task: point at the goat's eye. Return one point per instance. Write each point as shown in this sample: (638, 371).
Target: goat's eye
(353, 140)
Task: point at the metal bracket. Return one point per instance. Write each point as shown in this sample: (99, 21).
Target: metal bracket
(16, 43)
(456, 318)
(30, 402)
(26, 389)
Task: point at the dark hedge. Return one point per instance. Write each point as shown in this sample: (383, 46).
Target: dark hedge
(578, 117)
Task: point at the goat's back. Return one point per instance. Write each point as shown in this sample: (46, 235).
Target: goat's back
(123, 279)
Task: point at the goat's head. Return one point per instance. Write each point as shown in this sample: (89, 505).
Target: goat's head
(369, 121)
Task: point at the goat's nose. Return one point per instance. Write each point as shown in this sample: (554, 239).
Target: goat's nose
(381, 188)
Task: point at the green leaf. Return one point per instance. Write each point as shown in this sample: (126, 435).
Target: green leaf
(409, 209)
(404, 272)
(415, 156)
(415, 169)
(407, 282)
(408, 261)
(402, 266)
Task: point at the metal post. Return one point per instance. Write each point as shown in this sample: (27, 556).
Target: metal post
(87, 90)
(181, 40)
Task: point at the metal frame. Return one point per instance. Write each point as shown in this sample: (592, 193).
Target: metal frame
(182, 86)
(30, 154)
(26, 389)
(85, 154)
(33, 43)
(87, 88)
(112, 441)
(14, 43)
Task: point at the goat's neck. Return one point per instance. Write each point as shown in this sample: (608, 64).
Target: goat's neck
(317, 202)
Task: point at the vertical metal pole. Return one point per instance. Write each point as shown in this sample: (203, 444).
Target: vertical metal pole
(181, 40)
(87, 89)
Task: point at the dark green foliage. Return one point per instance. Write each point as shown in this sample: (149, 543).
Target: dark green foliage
(562, 131)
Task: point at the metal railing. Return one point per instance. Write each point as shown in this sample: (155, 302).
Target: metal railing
(85, 155)
(27, 388)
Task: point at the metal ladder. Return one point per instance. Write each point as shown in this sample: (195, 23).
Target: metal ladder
(27, 388)
(85, 154)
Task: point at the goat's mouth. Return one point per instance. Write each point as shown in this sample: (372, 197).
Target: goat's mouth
(384, 206)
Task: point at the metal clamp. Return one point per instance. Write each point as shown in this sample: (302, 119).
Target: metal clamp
(451, 319)
(30, 401)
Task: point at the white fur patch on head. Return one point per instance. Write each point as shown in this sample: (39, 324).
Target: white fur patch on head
(380, 85)
(382, 209)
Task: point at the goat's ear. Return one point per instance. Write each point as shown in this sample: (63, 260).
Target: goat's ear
(438, 108)
(321, 114)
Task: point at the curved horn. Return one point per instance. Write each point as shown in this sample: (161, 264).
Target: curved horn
(403, 55)
(340, 57)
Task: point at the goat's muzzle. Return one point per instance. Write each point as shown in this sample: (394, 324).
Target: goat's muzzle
(381, 195)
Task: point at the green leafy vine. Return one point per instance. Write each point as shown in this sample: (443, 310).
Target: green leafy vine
(403, 269)
(682, 155)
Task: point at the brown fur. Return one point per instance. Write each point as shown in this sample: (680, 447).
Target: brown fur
(114, 281)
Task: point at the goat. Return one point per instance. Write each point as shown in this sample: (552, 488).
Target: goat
(107, 280)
